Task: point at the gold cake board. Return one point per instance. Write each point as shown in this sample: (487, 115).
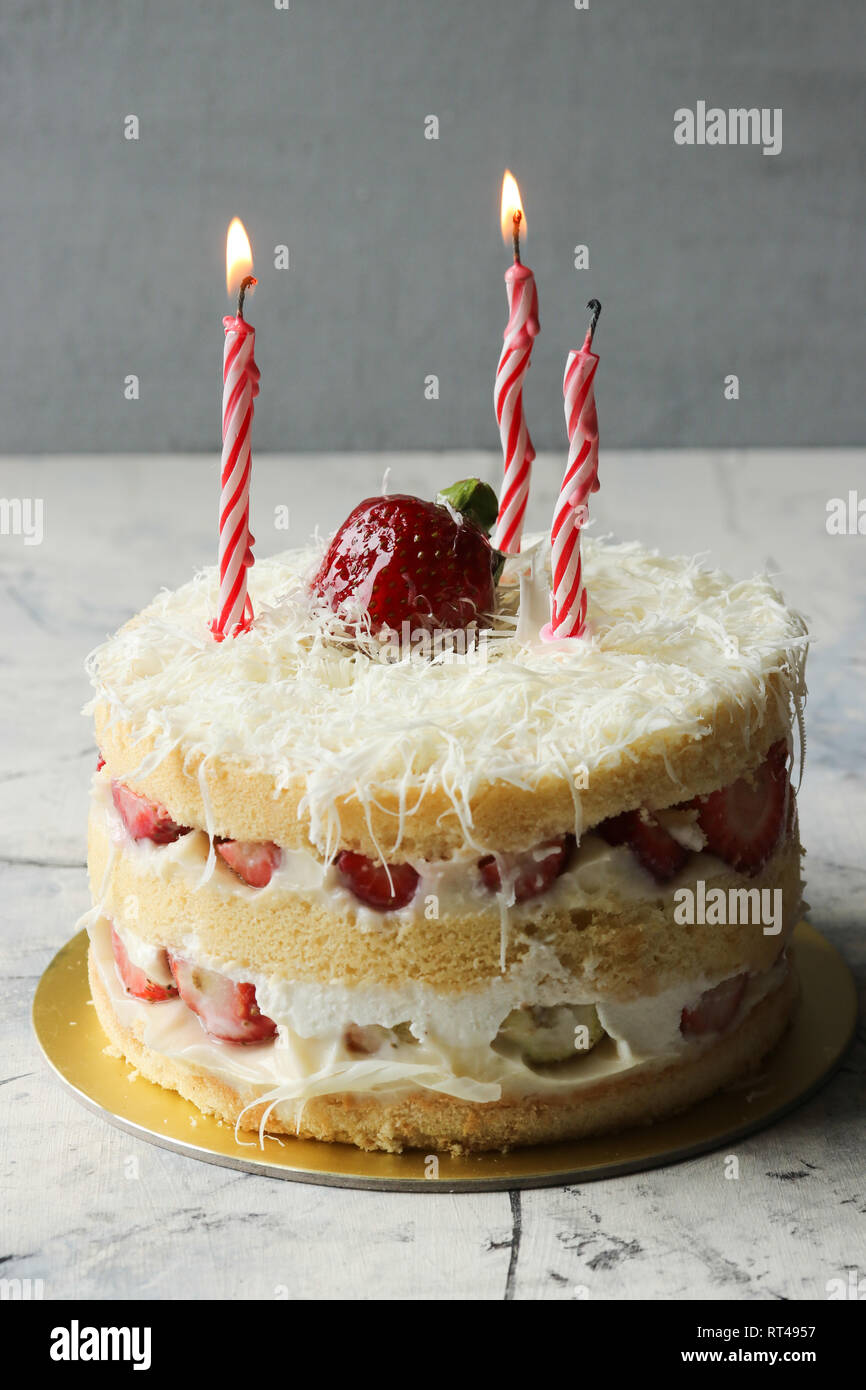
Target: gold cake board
(73, 1043)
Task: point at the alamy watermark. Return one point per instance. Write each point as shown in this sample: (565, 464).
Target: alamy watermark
(852, 1286)
(714, 907)
(77, 1343)
(846, 516)
(23, 516)
(442, 645)
(738, 125)
(21, 1290)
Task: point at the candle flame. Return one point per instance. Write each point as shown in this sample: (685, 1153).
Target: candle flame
(239, 256)
(511, 204)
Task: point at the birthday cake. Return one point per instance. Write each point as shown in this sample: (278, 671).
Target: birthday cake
(357, 883)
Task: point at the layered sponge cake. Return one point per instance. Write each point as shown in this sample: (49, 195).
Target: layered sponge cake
(452, 897)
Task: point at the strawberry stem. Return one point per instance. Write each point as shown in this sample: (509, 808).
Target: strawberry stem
(474, 500)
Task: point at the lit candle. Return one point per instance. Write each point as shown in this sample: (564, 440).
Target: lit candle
(240, 387)
(568, 598)
(520, 331)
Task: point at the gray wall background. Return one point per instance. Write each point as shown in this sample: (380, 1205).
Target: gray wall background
(309, 124)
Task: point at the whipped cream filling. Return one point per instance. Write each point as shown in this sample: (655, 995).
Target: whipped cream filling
(309, 1056)
(452, 887)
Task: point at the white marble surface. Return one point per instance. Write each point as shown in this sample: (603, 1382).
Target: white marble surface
(118, 528)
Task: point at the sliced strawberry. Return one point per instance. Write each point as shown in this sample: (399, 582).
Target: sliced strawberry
(743, 822)
(716, 1008)
(135, 980)
(656, 848)
(252, 860)
(616, 829)
(385, 887)
(144, 819)
(100, 761)
(530, 873)
(646, 837)
(227, 1010)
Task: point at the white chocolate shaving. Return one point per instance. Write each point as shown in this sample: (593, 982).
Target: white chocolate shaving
(297, 698)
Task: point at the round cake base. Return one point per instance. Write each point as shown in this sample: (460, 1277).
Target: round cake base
(808, 1053)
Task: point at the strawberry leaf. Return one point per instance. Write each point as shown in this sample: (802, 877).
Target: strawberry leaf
(473, 499)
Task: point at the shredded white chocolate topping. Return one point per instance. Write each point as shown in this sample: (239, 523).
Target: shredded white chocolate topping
(298, 699)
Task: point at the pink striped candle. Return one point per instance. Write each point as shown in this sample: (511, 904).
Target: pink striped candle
(568, 597)
(520, 333)
(240, 387)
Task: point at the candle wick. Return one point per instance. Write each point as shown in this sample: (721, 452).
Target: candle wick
(595, 306)
(515, 235)
(247, 283)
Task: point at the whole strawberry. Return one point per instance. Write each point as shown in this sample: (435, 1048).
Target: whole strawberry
(401, 559)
